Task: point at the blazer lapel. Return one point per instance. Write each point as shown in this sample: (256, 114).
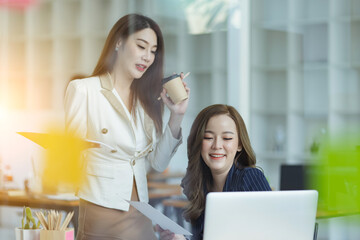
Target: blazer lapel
(149, 127)
(107, 86)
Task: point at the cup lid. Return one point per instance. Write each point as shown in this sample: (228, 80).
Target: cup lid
(165, 80)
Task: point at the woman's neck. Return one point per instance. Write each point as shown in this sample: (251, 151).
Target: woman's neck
(120, 81)
(219, 180)
(122, 86)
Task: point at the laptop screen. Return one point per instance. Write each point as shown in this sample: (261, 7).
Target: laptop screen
(274, 215)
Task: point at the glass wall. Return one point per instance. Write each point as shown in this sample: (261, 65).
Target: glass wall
(291, 68)
(305, 86)
(45, 43)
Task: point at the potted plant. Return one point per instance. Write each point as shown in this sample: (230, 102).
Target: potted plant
(29, 228)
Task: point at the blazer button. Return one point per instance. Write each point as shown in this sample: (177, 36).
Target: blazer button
(133, 162)
(151, 150)
(113, 151)
(104, 130)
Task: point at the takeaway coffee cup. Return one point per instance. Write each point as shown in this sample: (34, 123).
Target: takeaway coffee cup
(175, 88)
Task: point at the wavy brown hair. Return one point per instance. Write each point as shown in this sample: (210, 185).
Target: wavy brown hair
(198, 178)
(148, 87)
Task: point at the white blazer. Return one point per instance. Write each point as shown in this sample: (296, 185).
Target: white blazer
(94, 110)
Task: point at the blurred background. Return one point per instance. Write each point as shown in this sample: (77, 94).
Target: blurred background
(291, 68)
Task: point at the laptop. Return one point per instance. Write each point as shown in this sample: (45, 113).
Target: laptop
(273, 215)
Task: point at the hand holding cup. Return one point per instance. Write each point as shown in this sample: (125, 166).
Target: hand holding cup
(175, 88)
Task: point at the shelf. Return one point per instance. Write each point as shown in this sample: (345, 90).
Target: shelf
(43, 84)
(90, 52)
(345, 8)
(68, 36)
(171, 59)
(69, 54)
(355, 64)
(348, 112)
(168, 25)
(16, 28)
(42, 58)
(346, 65)
(277, 53)
(104, 11)
(309, 9)
(273, 10)
(67, 15)
(316, 89)
(346, 125)
(355, 46)
(345, 19)
(270, 112)
(316, 66)
(272, 155)
(201, 59)
(42, 37)
(41, 19)
(271, 68)
(16, 89)
(93, 34)
(309, 22)
(200, 71)
(315, 43)
(316, 115)
(204, 90)
(308, 157)
(268, 132)
(315, 129)
(355, 7)
(272, 25)
(269, 91)
(16, 56)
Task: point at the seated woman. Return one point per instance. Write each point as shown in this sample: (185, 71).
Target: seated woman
(221, 159)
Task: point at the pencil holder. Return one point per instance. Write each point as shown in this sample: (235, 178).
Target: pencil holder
(27, 234)
(67, 234)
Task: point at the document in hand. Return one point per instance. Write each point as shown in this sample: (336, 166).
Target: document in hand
(46, 139)
(159, 218)
(63, 164)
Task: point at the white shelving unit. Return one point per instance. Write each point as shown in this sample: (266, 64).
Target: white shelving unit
(42, 47)
(52, 41)
(305, 77)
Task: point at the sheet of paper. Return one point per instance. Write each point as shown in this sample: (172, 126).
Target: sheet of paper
(43, 140)
(159, 218)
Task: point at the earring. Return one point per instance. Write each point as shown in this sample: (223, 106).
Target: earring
(116, 49)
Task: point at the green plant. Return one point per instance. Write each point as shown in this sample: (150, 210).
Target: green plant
(27, 214)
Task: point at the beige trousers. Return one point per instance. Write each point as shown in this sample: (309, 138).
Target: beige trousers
(100, 223)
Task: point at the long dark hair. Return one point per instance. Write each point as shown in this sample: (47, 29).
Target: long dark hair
(148, 87)
(198, 176)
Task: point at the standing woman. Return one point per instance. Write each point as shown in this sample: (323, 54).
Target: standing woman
(221, 159)
(118, 105)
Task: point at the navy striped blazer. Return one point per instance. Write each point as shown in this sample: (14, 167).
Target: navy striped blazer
(238, 180)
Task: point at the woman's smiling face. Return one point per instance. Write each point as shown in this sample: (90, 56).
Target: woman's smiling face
(220, 144)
